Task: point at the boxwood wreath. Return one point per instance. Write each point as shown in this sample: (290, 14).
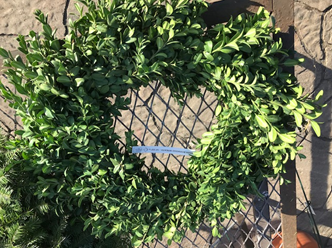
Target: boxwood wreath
(69, 140)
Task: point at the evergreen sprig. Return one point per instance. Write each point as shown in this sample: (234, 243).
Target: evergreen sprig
(26, 221)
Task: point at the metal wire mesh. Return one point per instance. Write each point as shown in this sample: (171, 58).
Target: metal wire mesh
(157, 120)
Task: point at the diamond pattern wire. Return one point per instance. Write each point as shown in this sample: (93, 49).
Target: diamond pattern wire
(9, 122)
(157, 120)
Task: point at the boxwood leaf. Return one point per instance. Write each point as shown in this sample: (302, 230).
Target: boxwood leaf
(168, 235)
(261, 121)
(298, 118)
(215, 232)
(319, 95)
(272, 134)
(30, 74)
(291, 62)
(169, 9)
(79, 81)
(251, 32)
(48, 113)
(287, 138)
(218, 110)
(316, 128)
(307, 106)
(18, 64)
(4, 53)
(208, 46)
(45, 87)
(160, 43)
(63, 79)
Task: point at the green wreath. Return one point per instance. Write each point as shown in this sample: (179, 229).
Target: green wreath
(69, 141)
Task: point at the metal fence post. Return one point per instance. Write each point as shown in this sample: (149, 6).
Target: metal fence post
(283, 11)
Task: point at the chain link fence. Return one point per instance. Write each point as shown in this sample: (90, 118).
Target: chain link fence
(157, 120)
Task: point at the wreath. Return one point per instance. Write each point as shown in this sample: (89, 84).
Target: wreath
(69, 141)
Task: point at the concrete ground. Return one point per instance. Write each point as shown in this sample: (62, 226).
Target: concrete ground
(313, 41)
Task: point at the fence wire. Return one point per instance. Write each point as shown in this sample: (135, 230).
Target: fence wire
(157, 120)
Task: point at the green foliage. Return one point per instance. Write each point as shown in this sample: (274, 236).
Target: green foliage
(74, 88)
(25, 220)
(261, 106)
(15, 222)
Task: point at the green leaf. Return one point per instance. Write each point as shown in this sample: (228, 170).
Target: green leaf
(319, 95)
(48, 113)
(208, 46)
(227, 50)
(205, 141)
(282, 181)
(4, 53)
(160, 43)
(245, 48)
(30, 74)
(287, 138)
(272, 134)
(162, 55)
(127, 79)
(168, 235)
(302, 156)
(218, 110)
(215, 232)
(45, 87)
(47, 29)
(133, 182)
(131, 32)
(74, 71)
(316, 128)
(18, 64)
(273, 118)
(209, 57)
(261, 121)
(79, 81)
(102, 172)
(160, 30)
(55, 92)
(131, 40)
(291, 62)
(251, 32)
(63, 79)
(102, 28)
(217, 74)
(32, 57)
(129, 166)
(181, 3)
(79, 8)
(308, 106)
(104, 89)
(195, 43)
(20, 89)
(171, 33)
(233, 45)
(169, 9)
(137, 243)
(298, 118)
